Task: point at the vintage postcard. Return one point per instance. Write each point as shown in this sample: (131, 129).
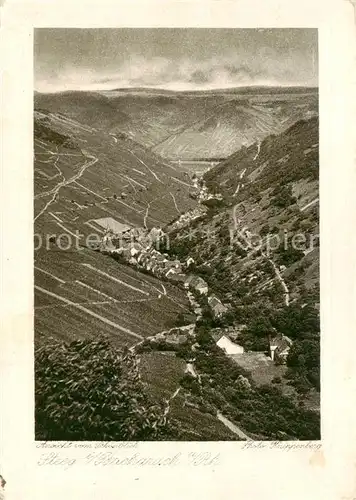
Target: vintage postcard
(169, 251)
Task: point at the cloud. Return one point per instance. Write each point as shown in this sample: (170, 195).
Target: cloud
(231, 70)
(199, 76)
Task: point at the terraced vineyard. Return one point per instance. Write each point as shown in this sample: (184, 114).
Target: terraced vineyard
(82, 293)
(83, 176)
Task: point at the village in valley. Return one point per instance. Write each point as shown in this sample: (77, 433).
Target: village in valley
(176, 237)
(144, 249)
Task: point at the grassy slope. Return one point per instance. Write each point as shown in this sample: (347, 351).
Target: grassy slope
(257, 209)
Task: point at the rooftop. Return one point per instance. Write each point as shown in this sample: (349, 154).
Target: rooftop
(112, 224)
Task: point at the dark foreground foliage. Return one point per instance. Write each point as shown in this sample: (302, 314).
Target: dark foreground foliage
(88, 390)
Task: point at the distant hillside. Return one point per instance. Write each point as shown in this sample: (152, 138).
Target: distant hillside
(121, 166)
(188, 125)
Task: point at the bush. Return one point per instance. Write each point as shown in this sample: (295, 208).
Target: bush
(288, 256)
(283, 197)
(183, 319)
(213, 204)
(88, 390)
(260, 409)
(264, 230)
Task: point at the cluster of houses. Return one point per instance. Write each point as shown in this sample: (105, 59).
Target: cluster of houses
(203, 191)
(227, 339)
(218, 308)
(201, 194)
(138, 246)
(187, 217)
(204, 194)
(262, 366)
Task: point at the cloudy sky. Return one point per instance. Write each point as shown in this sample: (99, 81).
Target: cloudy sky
(91, 59)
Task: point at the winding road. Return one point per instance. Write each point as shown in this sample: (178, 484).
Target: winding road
(248, 243)
(146, 216)
(144, 164)
(310, 204)
(65, 182)
(175, 203)
(233, 428)
(282, 282)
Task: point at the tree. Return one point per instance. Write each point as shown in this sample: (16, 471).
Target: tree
(183, 319)
(287, 256)
(283, 196)
(264, 230)
(203, 337)
(297, 322)
(304, 360)
(88, 390)
(260, 326)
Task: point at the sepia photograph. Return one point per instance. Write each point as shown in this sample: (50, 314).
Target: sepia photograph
(176, 234)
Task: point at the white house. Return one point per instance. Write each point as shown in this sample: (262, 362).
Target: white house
(279, 347)
(169, 272)
(134, 250)
(228, 346)
(190, 260)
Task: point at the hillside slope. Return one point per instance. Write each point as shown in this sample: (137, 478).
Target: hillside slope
(86, 181)
(267, 190)
(90, 177)
(258, 247)
(187, 125)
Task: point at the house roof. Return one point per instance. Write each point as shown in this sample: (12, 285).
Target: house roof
(214, 301)
(177, 277)
(126, 252)
(219, 308)
(229, 346)
(198, 282)
(179, 338)
(136, 246)
(216, 304)
(217, 333)
(195, 281)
